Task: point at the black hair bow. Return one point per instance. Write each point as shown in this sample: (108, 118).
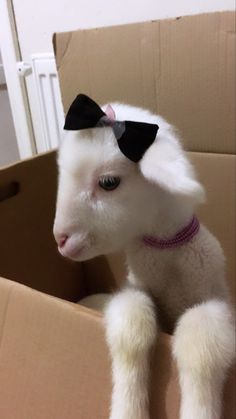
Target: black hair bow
(133, 138)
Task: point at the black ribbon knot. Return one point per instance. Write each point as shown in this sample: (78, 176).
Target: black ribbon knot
(133, 138)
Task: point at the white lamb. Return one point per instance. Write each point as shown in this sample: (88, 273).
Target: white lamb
(106, 203)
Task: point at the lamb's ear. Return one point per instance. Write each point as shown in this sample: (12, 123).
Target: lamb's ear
(166, 165)
(109, 111)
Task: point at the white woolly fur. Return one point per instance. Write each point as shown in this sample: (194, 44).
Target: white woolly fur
(186, 285)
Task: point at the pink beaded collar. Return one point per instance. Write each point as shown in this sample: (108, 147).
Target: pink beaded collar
(180, 238)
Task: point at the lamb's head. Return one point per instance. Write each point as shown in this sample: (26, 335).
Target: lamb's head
(104, 199)
(100, 195)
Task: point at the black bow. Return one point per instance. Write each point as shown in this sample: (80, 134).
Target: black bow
(133, 138)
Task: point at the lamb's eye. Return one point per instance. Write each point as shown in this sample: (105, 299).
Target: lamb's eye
(108, 183)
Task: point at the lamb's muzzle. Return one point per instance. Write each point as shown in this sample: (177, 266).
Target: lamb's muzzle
(61, 239)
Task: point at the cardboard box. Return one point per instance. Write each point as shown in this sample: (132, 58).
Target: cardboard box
(54, 362)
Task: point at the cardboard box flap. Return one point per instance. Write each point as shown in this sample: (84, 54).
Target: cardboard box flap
(217, 173)
(28, 250)
(54, 362)
(183, 69)
(53, 358)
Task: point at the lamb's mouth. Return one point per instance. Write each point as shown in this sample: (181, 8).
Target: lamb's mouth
(72, 252)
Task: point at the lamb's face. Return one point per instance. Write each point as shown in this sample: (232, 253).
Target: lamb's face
(101, 195)
(105, 200)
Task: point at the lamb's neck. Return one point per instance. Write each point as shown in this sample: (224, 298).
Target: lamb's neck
(165, 222)
(168, 223)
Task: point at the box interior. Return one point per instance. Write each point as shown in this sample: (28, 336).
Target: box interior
(189, 80)
(54, 359)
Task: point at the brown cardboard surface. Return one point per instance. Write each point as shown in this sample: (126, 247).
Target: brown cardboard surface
(28, 252)
(54, 362)
(53, 358)
(217, 172)
(182, 68)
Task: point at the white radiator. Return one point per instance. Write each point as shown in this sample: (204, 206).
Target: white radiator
(49, 98)
(2, 75)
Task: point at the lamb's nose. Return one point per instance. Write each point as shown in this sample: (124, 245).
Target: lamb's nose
(61, 239)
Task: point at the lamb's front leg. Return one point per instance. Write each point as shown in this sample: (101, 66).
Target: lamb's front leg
(204, 347)
(131, 330)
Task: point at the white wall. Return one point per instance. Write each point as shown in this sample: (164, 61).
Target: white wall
(36, 22)
(8, 146)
